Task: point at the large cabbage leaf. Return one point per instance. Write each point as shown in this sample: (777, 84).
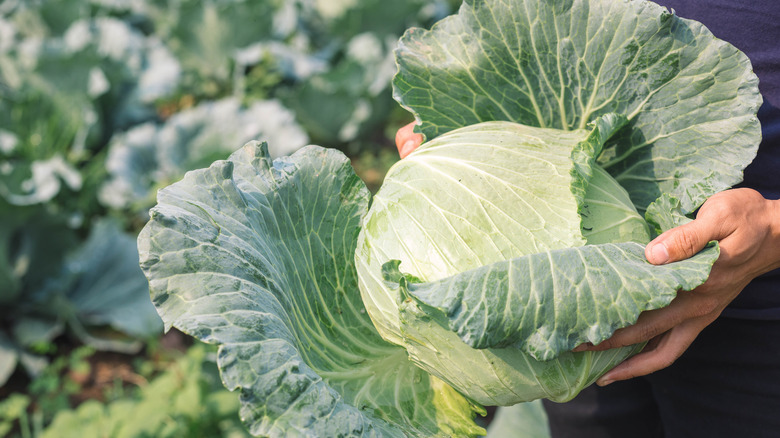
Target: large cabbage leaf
(587, 297)
(690, 98)
(256, 256)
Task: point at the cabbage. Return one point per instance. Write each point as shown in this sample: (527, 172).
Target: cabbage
(561, 137)
(479, 195)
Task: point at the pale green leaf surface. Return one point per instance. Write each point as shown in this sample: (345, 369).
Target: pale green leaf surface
(257, 256)
(561, 64)
(593, 291)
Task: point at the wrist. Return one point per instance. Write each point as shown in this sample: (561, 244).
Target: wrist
(771, 245)
(774, 232)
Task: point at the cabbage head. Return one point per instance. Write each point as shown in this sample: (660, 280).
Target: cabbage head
(484, 194)
(561, 136)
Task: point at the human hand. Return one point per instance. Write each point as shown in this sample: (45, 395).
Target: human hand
(406, 140)
(747, 227)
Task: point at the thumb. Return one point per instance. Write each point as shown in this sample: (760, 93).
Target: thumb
(680, 243)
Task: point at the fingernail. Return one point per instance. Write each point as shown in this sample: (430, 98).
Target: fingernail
(659, 254)
(407, 148)
(605, 380)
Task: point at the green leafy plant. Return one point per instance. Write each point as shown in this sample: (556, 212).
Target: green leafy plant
(68, 80)
(562, 137)
(53, 388)
(13, 410)
(94, 292)
(186, 400)
(25, 414)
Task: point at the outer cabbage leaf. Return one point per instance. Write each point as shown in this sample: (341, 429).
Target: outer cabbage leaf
(563, 63)
(97, 292)
(33, 244)
(32, 247)
(49, 289)
(666, 213)
(257, 256)
(13, 354)
(553, 301)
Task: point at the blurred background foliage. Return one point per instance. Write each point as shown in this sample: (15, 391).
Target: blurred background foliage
(102, 102)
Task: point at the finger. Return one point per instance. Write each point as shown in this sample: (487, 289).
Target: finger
(406, 140)
(657, 355)
(682, 242)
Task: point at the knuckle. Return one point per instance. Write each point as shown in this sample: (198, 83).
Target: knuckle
(647, 332)
(705, 306)
(687, 242)
(718, 205)
(605, 344)
(728, 209)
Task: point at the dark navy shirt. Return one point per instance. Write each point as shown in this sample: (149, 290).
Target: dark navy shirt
(753, 26)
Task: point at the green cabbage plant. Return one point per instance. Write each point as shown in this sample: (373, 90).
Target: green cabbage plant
(562, 136)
